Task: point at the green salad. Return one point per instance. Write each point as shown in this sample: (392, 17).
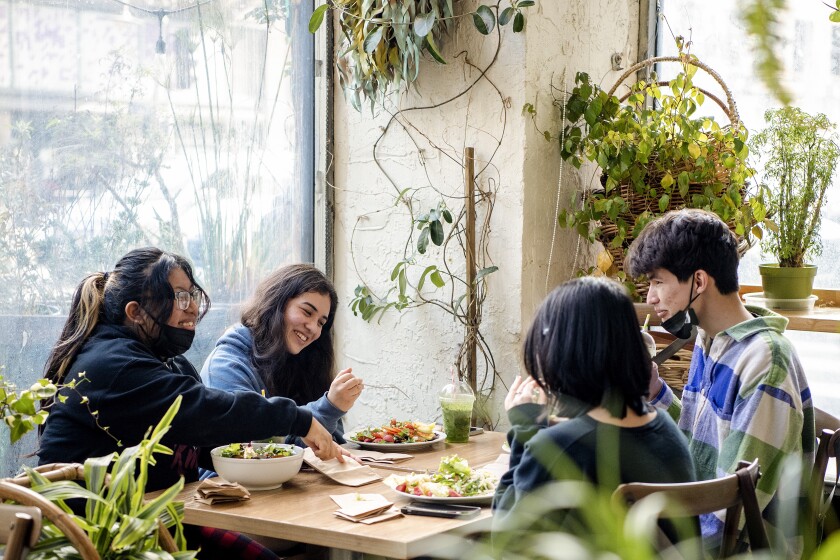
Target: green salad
(453, 479)
(248, 451)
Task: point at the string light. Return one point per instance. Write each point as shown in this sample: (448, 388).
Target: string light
(160, 45)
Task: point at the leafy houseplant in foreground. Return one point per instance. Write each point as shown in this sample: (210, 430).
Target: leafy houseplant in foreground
(654, 158)
(116, 518)
(801, 154)
(382, 40)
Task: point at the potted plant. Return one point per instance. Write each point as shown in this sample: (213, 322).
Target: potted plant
(799, 152)
(117, 520)
(381, 42)
(654, 157)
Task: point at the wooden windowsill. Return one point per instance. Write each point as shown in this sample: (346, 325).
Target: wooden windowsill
(825, 317)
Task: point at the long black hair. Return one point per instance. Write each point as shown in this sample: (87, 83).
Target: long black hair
(141, 275)
(585, 343)
(303, 377)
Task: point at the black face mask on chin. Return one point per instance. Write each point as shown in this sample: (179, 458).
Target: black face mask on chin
(681, 323)
(172, 341)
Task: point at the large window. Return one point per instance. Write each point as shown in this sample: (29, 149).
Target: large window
(185, 124)
(810, 52)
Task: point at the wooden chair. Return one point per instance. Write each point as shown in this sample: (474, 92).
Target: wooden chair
(825, 421)
(828, 447)
(17, 490)
(734, 493)
(19, 529)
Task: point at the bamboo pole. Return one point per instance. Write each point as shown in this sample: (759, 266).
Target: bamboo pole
(469, 176)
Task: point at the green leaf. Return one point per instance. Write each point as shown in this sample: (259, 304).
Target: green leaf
(437, 232)
(396, 270)
(317, 18)
(694, 150)
(484, 20)
(667, 181)
(403, 282)
(424, 23)
(423, 241)
(525, 3)
(484, 272)
(373, 39)
(422, 280)
(663, 203)
(683, 181)
(835, 16)
(518, 22)
(505, 16)
(447, 216)
(436, 279)
(432, 47)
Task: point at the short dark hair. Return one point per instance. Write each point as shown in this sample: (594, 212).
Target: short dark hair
(684, 241)
(303, 377)
(585, 343)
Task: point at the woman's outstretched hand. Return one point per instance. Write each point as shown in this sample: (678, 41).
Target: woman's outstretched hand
(523, 392)
(345, 389)
(321, 442)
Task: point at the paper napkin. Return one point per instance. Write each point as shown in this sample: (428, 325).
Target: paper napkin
(349, 473)
(365, 508)
(217, 490)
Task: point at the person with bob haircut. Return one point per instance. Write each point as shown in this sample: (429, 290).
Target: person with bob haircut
(747, 396)
(282, 346)
(584, 351)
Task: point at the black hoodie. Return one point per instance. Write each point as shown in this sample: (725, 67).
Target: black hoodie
(131, 389)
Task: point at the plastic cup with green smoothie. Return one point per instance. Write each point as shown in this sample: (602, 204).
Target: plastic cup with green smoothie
(456, 402)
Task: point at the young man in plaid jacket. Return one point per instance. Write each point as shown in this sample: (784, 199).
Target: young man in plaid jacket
(747, 396)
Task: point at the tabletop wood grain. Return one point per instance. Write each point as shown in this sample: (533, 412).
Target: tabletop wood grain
(301, 510)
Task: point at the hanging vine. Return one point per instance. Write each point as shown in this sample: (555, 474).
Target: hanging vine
(441, 229)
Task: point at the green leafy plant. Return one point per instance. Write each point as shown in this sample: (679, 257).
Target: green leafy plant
(382, 41)
(800, 154)
(118, 520)
(654, 155)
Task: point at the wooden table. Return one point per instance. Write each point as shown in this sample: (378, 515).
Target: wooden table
(301, 510)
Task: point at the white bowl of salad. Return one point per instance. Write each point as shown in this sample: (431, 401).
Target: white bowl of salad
(257, 466)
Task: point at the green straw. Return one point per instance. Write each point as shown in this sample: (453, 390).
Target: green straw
(646, 326)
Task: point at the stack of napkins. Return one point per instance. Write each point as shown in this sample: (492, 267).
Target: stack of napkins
(365, 508)
(217, 490)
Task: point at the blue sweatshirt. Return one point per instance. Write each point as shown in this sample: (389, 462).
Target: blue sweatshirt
(230, 367)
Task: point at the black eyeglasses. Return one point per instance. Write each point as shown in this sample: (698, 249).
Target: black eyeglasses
(184, 298)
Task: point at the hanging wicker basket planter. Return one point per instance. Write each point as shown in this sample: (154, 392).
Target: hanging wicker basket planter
(655, 155)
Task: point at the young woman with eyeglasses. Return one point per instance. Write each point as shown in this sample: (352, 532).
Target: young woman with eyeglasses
(282, 346)
(125, 334)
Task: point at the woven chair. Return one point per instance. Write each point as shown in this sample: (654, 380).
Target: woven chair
(734, 493)
(17, 490)
(19, 529)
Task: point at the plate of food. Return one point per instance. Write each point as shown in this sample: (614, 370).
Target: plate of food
(454, 482)
(396, 436)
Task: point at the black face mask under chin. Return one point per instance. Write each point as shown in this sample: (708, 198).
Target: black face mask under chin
(172, 341)
(681, 323)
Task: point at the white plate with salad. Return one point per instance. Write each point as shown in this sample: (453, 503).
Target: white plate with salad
(454, 482)
(396, 436)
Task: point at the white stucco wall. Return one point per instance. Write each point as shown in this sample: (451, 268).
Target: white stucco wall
(405, 358)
